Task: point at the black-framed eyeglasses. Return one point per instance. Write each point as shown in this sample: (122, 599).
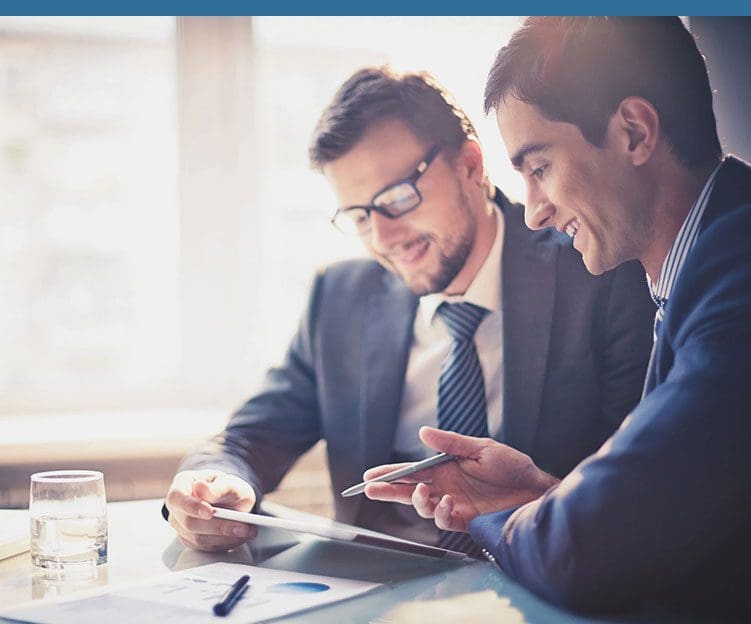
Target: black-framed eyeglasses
(393, 201)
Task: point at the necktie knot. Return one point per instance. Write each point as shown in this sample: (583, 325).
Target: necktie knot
(461, 319)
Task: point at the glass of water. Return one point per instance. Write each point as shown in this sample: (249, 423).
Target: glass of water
(68, 519)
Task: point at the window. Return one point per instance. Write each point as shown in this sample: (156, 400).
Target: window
(159, 223)
(88, 212)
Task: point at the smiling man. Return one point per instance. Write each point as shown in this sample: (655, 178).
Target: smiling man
(578, 187)
(610, 122)
(462, 318)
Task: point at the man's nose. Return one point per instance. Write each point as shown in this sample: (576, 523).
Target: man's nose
(538, 211)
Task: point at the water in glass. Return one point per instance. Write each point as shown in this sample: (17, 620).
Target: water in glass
(68, 519)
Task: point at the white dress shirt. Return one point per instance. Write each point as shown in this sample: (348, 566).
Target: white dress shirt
(430, 346)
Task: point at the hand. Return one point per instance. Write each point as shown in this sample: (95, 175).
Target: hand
(487, 476)
(190, 499)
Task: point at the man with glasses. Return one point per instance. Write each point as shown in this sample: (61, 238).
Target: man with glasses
(462, 319)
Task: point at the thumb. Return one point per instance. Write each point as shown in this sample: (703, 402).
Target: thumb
(451, 442)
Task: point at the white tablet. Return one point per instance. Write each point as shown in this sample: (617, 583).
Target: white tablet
(353, 534)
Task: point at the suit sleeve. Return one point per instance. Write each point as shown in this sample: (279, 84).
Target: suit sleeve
(666, 491)
(271, 430)
(626, 341)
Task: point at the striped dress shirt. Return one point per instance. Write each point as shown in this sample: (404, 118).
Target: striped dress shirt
(678, 253)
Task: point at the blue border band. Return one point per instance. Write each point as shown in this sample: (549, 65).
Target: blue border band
(380, 7)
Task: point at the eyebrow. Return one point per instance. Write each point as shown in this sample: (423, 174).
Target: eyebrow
(531, 148)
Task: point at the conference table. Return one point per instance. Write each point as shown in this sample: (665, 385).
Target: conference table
(415, 588)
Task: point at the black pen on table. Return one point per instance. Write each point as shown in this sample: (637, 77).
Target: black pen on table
(224, 606)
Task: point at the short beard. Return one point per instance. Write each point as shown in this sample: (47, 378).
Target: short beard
(450, 265)
(449, 269)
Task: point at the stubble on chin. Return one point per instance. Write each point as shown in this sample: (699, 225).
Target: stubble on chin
(424, 283)
(449, 264)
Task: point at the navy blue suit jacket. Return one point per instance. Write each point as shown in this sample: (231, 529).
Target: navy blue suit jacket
(662, 511)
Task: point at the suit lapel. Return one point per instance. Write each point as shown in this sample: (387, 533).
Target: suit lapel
(732, 187)
(387, 336)
(528, 292)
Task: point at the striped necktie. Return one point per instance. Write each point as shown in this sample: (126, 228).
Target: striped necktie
(649, 380)
(660, 302)
(462, 406)
(461, 389)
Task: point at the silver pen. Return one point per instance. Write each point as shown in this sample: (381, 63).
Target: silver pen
(401, 472)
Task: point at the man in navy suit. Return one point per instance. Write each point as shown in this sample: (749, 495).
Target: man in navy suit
(610, 122)
(562, 353)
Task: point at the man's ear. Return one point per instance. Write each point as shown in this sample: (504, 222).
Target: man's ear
(637, 126)
(469, 161)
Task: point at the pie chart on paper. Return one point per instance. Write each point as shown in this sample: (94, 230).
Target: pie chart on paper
(298, 587)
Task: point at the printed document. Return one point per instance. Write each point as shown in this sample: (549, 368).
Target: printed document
(187, 597)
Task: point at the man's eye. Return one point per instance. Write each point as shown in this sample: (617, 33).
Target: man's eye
(539, 172)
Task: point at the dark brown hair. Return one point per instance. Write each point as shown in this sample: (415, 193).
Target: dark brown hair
(578, 70)
(377, 93)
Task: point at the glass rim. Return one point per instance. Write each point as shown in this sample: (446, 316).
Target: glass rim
(67, 476)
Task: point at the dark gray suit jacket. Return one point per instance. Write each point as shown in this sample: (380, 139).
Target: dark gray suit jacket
(575, 354)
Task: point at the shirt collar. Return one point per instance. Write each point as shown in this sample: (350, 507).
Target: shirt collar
(485, 288)
(681, 246)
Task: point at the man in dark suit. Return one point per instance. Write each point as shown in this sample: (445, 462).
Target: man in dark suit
(610, 122)
(559, 354)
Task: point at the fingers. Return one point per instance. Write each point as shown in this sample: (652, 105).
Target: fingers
(445, 516)
(180, 499)
(191, 514)
(212, 492)
(427, 505)
(210, 543)
(215, 526)
(441, 509)
(377, 471)
(452, 443)
(225, 490)
(423, 502)
(390, 492)
(212, 534)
